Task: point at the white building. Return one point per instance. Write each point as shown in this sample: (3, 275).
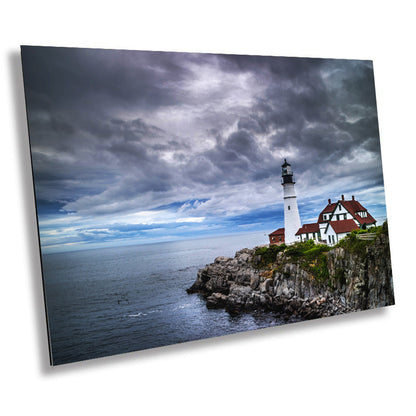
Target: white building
(335, 221)
(336, 230)
(309, 232)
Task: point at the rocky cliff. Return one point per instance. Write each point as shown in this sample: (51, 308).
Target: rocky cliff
(298, 284)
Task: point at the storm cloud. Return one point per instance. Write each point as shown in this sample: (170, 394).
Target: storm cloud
(131, 144)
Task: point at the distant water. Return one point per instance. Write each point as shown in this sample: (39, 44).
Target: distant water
(114, 300)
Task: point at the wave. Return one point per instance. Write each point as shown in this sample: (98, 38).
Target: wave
(138, 314)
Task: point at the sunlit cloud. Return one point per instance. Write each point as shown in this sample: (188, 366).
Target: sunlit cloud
(133, 147)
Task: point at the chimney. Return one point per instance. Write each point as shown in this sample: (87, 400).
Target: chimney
(353, 198)
(329, 200)
(342, 197)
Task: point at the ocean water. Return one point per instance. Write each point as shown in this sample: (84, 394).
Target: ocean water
(109, 301)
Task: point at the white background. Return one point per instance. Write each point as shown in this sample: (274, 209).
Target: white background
(358, 364)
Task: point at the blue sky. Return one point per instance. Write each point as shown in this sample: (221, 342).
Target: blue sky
(134, 147)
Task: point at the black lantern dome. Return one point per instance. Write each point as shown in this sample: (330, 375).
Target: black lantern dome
(287, 173)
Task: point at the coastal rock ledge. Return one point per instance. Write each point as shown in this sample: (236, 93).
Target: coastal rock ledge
(300, 287)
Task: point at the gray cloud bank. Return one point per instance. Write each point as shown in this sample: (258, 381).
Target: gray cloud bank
(118, 132)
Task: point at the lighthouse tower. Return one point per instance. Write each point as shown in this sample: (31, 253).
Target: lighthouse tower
(292, 219)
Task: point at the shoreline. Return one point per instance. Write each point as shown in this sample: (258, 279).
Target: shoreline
(335, 281)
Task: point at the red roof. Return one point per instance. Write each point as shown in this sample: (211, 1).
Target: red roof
(352, 207)
(328, 209)
(343, 226)
(279, 231)
(308, 228)
(366, 220)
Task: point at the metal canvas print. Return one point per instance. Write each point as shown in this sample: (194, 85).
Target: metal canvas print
(183, 196)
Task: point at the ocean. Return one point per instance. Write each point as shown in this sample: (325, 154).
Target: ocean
(102, 302)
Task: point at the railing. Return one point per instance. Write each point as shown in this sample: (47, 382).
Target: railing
(367, 236)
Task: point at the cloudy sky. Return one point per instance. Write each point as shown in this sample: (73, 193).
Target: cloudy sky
(135, 147)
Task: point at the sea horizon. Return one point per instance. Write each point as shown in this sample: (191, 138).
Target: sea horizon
(108, 245)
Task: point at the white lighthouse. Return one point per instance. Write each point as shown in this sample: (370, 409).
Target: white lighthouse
(292, 219)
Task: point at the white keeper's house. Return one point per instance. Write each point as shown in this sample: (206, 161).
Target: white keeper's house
(335, 221)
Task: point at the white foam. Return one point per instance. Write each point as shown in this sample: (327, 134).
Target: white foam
(137, 314)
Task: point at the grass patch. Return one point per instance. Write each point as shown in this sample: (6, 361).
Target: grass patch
(320, 269)
(310, 256)
(356, 246)
(268, 254)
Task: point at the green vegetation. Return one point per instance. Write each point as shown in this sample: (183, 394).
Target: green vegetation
(314, 260)
(310, 256)
(268, 254)
(298, 250)
(313, 257)
(353, 244)
(306, 250)
(319, 270)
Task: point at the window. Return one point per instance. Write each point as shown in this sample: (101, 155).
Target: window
(324, 217)
(288, 207)
(345, 216)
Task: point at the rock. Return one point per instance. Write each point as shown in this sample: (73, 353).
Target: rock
(355, 283)
(216, 300)
(244, 257)
(222, 259)
(257, 260)
(254, 282)
(264, 287)
(364, 282)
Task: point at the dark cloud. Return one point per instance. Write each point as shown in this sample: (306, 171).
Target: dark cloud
(116, 132)
(82, 77)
